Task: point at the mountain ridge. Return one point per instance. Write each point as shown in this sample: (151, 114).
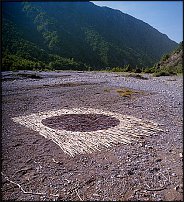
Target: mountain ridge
(95, 36)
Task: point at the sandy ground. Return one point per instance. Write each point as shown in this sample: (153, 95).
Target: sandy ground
(36, 167)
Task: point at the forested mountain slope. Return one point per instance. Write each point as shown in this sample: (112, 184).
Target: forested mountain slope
(77, 35)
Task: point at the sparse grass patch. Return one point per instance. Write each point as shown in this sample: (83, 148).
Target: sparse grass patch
(164, 73)
(126, 92)
(107, 90)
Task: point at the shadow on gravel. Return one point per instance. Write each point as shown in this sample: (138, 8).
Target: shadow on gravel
(20, 76)
(31, 76)
(137, 76)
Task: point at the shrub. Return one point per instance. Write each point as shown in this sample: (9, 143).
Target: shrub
(165, 57)
(149, 70)
(67, 64)
(116, 69)
(164, 73)
(138, 70)
(128, 68)
(179, 69)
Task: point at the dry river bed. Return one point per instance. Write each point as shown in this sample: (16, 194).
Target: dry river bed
(131, 150)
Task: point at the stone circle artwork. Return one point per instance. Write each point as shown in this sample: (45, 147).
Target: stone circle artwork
(84, 130)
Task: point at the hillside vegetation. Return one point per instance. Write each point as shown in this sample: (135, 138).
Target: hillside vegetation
(171, 63)
(77, 35)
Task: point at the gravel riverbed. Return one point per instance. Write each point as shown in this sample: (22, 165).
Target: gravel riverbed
(150, 168)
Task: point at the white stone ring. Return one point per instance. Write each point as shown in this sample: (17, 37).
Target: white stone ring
(124, 130)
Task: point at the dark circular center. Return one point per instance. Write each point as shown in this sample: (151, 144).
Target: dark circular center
(81, 122)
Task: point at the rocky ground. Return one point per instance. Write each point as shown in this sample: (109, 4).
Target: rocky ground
(147, 169)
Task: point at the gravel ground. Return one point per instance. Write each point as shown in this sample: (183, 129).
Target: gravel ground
(148, 169)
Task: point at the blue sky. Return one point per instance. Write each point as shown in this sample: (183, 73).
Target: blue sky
(165, 16)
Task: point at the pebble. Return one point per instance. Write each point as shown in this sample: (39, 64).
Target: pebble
(119, 176)
(130, 172)
(176, 188)
(158, 160)
(96, 195)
